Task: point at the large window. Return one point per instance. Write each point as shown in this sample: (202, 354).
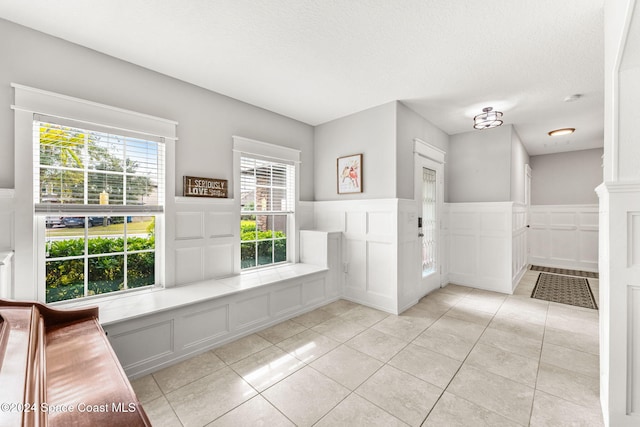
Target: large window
(267, 205)
(99, 191)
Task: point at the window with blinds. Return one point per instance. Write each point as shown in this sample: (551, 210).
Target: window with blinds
(267, 202)
(99, 190)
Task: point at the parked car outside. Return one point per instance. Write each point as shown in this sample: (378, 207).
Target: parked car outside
(54, 221)
(78, 221)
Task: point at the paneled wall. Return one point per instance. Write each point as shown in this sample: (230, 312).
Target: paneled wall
(6, 242)
(564, 236)
(480, 245)
(206, 239)
(369, 248)
(519, 244)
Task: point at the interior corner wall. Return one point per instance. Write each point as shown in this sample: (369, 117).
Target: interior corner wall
(207, 120)
(371, 132)
(479, 166)
(566, 178)
(519, 159)
(410, 125)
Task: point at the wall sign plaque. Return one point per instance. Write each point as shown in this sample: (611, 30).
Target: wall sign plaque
(193, 186)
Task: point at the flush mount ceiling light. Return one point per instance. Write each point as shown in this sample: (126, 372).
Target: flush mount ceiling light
(563, 131)
(488, 119)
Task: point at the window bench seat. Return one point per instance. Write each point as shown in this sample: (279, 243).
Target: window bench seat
(150, 330)
(119, 308)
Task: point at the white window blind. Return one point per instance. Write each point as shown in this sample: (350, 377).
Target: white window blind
(89, 169)
(266, 186)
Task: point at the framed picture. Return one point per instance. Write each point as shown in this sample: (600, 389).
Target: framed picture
(350, 174)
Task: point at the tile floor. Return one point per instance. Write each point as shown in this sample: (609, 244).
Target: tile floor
(460, 357)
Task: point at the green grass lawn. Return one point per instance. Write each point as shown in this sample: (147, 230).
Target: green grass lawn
(99, 230)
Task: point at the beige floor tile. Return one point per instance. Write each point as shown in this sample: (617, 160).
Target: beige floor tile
(354, 411)
(339, 307)
(308, 345)
(313, 318)
(241, 348)
(453, 411)
(472, 315)
(466, 330)
(377, 344)
(182, 373)
(160, 413)
(577, 341)
(508, 398)
(528, 309)
(281, 331)
(444, 297)
(569, 319)
(512, 342)
(524, 328)
(434, 307)
(549, 410)
(347, 366)
(419, 312)
(577, 388)
(435, 368)
(405, 328)
(487, 302)
(306, 396)
(445, 343)
(573, 360)
(146, 388)
(339, 329)
(204, 400)
(504, 363)
(254, 412)
(456, 289)
(402, 395)
(267, 367)
(365, 316)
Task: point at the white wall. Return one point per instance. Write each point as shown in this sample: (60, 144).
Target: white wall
(207, 120)
(519, 158)
(479, 166)
(481, 236)
(370, 132)
(619, 198)
(566, 178)
(564, 236)
(410, 125)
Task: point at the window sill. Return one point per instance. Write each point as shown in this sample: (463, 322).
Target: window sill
(132, 305)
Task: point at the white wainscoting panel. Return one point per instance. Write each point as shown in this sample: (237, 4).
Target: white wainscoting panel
(7, 212)
(564, 236)
(480, 245)
(519, 244)
(206, 239)
(369, 248)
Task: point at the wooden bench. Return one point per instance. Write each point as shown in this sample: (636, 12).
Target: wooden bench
(57, 368)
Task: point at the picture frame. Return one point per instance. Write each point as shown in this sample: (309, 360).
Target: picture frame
(349, 174)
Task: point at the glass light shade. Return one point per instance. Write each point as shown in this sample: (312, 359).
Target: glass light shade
(488, 119)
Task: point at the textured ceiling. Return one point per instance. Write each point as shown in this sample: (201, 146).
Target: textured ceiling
(318, 60)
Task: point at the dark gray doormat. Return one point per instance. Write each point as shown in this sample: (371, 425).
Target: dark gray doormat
(565, 290)
(565, 271)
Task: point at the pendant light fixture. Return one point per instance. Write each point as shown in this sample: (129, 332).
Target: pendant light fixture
(488, 119)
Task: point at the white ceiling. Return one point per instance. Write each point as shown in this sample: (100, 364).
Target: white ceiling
(318, 60)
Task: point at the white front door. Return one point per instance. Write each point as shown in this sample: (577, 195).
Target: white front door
(429, 196)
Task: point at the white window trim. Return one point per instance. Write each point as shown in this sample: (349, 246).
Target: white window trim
(29, 101)
(252, 147)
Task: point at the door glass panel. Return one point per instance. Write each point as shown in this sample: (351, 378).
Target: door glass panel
(429, 220)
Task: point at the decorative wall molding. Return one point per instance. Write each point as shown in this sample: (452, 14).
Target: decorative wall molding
(480, 245)
(564, 236)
